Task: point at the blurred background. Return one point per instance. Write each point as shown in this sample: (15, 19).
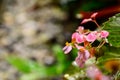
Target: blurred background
(33, 33)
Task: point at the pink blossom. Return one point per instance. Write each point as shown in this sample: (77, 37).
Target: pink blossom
(80, 38)
(94, 70)
(74, 35)
(95, 74)
(67, 49)
(91, 37)
(80, 29)
(94, 15)
(104, 34)
(82, 57)
(86, 20)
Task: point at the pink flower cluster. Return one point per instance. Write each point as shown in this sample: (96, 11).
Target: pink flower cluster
(86, 38)
(79, 36)
(82, 40)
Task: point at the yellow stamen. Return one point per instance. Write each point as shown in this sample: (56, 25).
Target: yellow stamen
(66, 43)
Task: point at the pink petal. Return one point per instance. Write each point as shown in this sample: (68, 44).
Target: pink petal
(92, 71)
(65, 48)
(104, 34)
(79, 60)
(87, 54)
(80, 29)
(69, 48)
(91, 37)
(74, 35)
(94, 15)
(86, 20)
(80, 38)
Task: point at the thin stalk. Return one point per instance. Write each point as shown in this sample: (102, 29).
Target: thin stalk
(101, 44)
(96, 23)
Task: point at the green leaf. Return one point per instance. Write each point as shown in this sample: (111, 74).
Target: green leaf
(20, 64)
(31, 76)
(62, 62)
(30, 67)
(113, 27)
(110, 53)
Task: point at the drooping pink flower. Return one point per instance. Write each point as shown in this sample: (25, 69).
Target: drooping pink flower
(86, 20)
(94, 15)
(95, 74)
(91, 37)
(104, 34)
(67, 48)
(82, 57)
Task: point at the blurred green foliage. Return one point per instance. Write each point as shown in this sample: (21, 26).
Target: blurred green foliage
(113, 27)
(32, 70)
(111, 50)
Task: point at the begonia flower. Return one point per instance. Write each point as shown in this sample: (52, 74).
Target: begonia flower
(94, 15)
(104, 34)
(91, 37)
(86, 20)
(67, 48)
(80, 38)
(80, 29)
(74, 36)
(82, 57)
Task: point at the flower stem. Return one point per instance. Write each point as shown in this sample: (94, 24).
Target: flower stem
(101, 44)
(96, 23)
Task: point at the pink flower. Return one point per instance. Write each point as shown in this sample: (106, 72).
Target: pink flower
(104, 34)
(80, 38)
(94, 70)
(82, 57)
(95, 74)
(74, 35)
(92, 17)
(80, 29)
(67, 48)
(91, 37)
